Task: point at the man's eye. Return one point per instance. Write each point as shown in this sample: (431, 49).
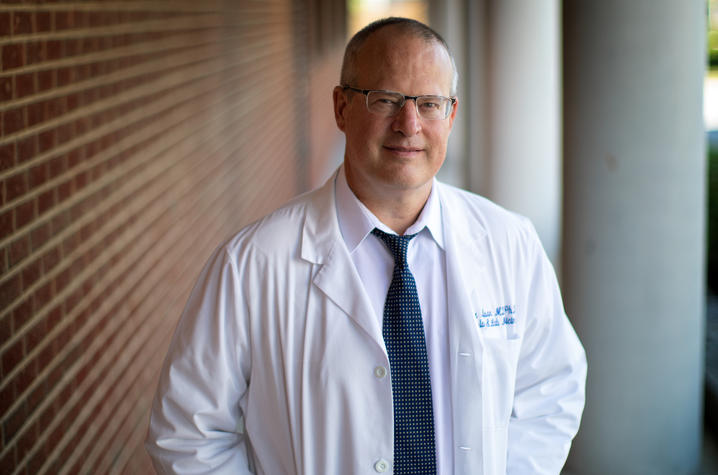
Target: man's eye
(388, 100)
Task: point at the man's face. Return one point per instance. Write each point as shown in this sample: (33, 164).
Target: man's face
(400, 153)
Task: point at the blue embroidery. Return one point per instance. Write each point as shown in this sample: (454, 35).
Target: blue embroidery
(501, 315)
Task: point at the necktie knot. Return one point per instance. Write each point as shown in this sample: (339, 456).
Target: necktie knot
(397, 245)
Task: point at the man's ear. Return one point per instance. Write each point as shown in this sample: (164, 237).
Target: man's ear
(452, 114)
(340, 105)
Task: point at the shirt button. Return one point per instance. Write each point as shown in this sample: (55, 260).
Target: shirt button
(381, 466)
(380, 372)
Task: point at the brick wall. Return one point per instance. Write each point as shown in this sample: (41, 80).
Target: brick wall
(134, 137)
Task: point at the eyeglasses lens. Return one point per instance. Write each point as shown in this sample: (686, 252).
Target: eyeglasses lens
(389, 103)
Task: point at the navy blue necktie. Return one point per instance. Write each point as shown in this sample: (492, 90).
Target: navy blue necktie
(403, 331)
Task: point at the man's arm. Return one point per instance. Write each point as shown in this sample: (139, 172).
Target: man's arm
(195, 418)
(550, 382)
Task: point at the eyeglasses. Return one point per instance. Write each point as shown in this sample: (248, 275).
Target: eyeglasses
(389, 103)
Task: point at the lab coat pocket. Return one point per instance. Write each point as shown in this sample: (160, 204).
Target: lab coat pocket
(498, 377)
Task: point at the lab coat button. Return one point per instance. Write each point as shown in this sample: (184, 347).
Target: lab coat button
(381, 466)
(380, 372)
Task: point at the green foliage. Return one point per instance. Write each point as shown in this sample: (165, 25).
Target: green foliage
(713, 49)
(713, 214)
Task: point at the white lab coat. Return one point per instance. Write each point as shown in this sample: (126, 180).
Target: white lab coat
(275, 367)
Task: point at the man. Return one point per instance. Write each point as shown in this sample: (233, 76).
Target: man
(382, 323)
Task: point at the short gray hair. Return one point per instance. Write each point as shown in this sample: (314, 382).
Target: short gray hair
(406, 25)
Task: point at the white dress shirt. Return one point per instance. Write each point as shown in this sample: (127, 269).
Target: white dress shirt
(427, 262)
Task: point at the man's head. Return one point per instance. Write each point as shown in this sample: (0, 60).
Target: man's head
(400, 150)
(404, 25)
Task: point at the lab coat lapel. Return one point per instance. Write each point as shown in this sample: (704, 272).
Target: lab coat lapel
(465, 267)
(336, 276)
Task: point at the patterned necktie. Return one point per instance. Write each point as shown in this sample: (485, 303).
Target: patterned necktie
(403, 330)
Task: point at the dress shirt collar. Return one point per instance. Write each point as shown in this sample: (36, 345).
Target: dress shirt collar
(356, 221)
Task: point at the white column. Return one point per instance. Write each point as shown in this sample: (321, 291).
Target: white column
(634, 205)
(524, 113)
(506, 140)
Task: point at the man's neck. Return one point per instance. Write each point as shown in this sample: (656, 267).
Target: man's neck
(398, 209)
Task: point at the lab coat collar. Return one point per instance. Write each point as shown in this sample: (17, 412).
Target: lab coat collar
(336, 276)
(356, 221)
(322, 244)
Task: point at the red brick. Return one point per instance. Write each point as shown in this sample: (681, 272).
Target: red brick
(27, 441)
(35, 113)
(21, 23)
(54, 108)
(45, 80)
(22, 313)
(53, 50)
(38, 175)
(12, 56)
(64, 76)
(13, 120)
(73, 299)
(46, 140)
(64, 133)
(12, 356)
(43, 22)
(7, 398)
(19, 249)
(81, 125)
(6, 224)
(36, 334)
(36, 396)
(81, 180)
(25, 213)
(53, 379)
(82, 72)
(9, 459)
(44, 295)
(50, 259)
(10, 290)
(60, 222)
(31, 273)
(7, 156)
(64, 20)
(5, 24)
(45, 202)
(25, 377)
(57, 165)
(6, 88)
(72, 47)
(26, 149)
(16, 186)
(24, 85)
(35, 52)
(45, 358)
(54, 438)
(64, 190)
(73, 102)
(39, 236)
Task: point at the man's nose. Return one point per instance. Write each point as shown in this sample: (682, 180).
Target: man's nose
(407, 120)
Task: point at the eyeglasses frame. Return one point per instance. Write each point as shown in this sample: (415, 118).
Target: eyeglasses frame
(366, 92)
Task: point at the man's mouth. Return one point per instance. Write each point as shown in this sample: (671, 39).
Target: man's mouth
(402, 149)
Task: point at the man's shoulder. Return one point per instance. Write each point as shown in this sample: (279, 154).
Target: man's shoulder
(279, 230)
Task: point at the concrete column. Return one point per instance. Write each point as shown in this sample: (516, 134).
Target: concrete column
(523, 115)
(506, 140)
(449, 18)
(634, 205)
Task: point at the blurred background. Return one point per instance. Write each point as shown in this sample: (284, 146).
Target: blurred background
(135, 136)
